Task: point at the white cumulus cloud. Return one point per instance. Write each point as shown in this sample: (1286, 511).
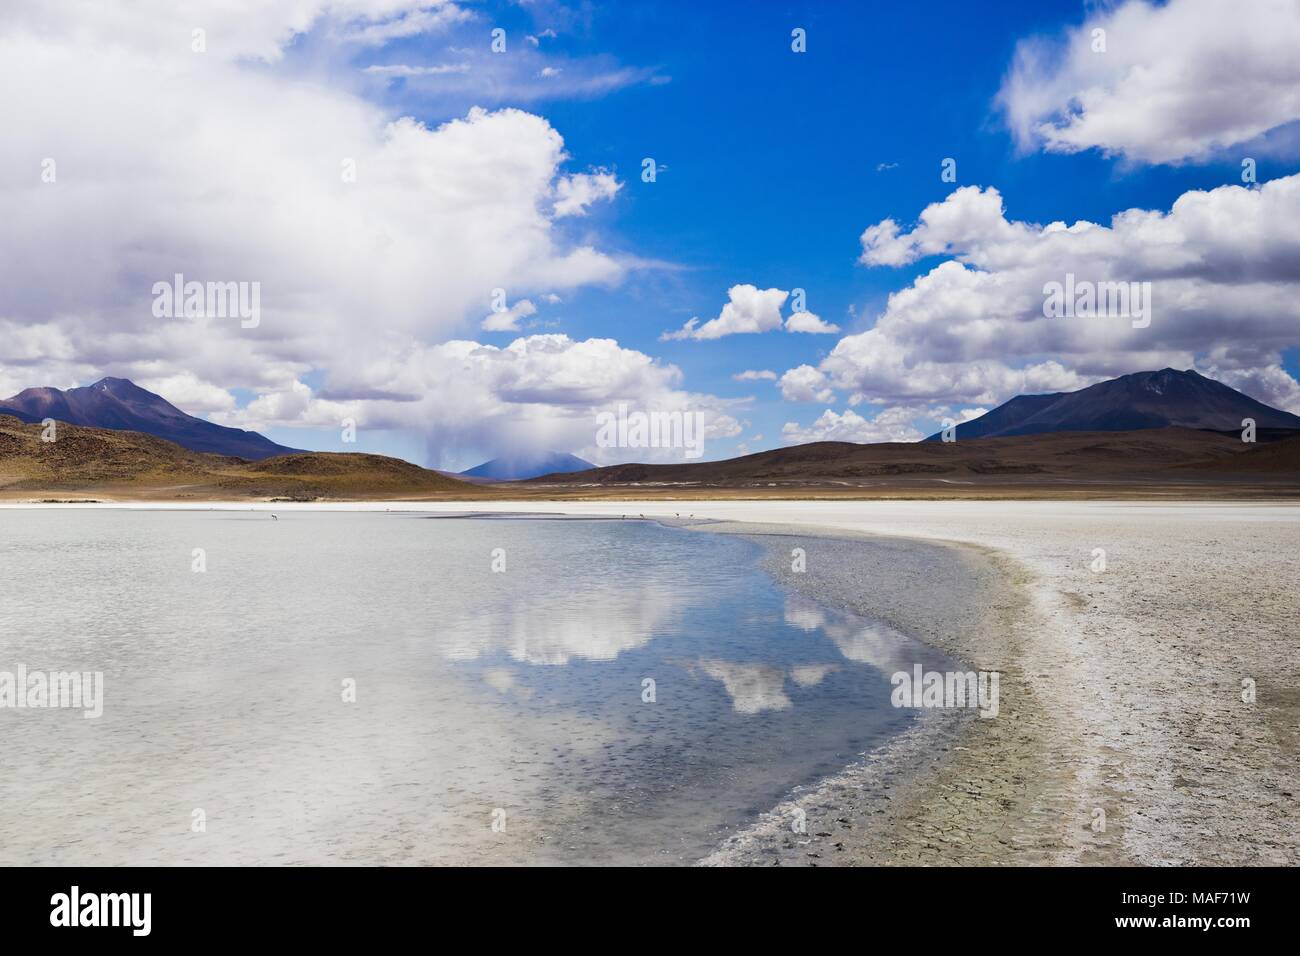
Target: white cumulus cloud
(806, 384)
(369, 235)
(1176, 82)
(574, 194)
(538, 392)
(507, 320)
(1224, 273)
(749, 309)
(891, 425)
(810, 323)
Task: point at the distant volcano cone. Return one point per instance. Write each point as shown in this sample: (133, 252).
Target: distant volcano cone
(1130, 402)
(527, 465)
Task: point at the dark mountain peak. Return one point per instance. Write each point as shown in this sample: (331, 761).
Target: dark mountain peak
(1163, 378)
(122, 405)
(121, 386)
(1156, 399)
(122, 393)
(1158, 380)
(1147, 380)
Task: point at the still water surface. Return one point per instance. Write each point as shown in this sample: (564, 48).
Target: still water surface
(520, 696)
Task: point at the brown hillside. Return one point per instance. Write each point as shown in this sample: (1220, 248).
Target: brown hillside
(96, 460)
(91, 462)
(1147, 458)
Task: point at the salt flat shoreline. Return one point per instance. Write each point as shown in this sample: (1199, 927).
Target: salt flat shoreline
(1124, 737)
(1122, 698)
(965, 601)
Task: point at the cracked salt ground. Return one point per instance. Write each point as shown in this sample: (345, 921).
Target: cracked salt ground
(476, 690)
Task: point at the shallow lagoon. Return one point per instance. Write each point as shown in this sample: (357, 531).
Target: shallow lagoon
(520, 697)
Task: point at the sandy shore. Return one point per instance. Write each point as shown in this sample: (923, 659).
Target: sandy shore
(1122, 691)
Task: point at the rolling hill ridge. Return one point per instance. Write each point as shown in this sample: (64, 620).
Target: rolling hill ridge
(135, 465)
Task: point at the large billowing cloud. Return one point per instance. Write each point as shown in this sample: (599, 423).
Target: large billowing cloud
(136, 149)
(1224, 273)
(539, 392)
(1160, 84)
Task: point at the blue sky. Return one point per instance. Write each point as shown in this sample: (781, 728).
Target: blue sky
(773, 163)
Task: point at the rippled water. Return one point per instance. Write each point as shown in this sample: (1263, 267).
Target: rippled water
(518, 697)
